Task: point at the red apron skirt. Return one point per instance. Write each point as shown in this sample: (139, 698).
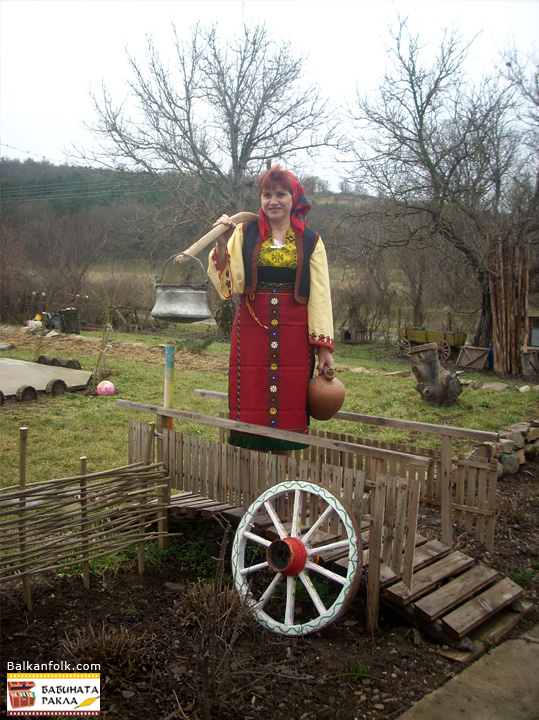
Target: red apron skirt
(271, 363)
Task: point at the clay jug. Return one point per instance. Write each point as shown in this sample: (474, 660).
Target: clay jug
(325, 395)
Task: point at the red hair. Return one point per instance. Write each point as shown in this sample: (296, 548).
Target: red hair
(276, 176)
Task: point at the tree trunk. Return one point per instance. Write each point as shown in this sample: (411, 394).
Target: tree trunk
(69, 321)
(483, 333)
(435, 384)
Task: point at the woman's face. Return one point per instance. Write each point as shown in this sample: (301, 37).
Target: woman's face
(277, 203)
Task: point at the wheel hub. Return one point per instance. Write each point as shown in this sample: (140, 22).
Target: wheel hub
(287, 556)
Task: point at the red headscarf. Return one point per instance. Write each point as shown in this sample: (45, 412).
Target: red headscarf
(300, 205)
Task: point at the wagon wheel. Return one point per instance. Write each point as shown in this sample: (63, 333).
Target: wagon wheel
(402, 347)
(56, 387)
(444, 350)
(266, 573)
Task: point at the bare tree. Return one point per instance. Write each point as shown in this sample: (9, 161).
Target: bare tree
(214, 119)
(446, 161)
(62, 250)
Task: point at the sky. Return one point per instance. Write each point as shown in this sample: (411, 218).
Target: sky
(54, 52)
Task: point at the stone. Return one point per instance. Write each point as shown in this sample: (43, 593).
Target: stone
(7, 346)
(522, 427)
(497, 386)
(525, 389)
(533, 434)
(521, 455)
(510, 462)
(507, 445)
(531, 450)
(516, 437)
(483, 452)
(495, 449)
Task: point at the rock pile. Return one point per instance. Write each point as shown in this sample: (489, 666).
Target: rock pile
(518, 443)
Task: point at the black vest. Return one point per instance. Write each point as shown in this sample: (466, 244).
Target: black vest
(252, 242)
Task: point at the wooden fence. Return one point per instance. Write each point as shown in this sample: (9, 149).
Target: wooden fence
(381, 488)
(72, 521)
(460, 489)
(473, 485)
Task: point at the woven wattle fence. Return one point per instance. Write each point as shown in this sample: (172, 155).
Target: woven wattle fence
(71, 521)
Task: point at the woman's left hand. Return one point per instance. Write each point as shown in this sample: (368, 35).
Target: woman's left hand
(324, 358)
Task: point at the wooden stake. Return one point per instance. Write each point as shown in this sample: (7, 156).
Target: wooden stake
(26, 588)
(446, 494)
(84, 524)
(375, 543)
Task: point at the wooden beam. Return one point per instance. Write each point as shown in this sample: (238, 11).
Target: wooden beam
(479, 435)
(332, 444)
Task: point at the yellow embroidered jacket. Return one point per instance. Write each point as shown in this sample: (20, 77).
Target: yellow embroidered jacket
(231, 279)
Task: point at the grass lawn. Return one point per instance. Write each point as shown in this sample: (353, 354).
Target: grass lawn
(62, 429)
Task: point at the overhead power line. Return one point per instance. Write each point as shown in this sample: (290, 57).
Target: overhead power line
(27, 152)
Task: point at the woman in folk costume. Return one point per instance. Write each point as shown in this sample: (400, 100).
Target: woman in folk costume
(278, 266)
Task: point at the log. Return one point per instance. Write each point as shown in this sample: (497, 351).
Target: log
(69, 321)
(435, 384)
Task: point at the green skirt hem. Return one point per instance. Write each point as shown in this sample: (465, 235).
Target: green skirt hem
(254, 442)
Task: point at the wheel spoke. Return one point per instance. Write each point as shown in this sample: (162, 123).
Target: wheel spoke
(256, 538)
(266, 595)
(275, 520)
(325, 572)
(254, 568)
(313, 593)
(290, 600)
(296, 515)
(318, 524)
(319, 550)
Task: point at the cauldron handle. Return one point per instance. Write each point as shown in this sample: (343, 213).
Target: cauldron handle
(172, 257)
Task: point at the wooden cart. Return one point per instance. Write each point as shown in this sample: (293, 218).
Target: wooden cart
(447, 340)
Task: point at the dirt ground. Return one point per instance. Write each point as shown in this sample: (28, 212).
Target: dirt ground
(154, 637)
(85, 346)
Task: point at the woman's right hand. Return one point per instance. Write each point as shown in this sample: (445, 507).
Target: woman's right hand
(225, 237)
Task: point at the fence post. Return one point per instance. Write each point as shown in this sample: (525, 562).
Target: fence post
(446, 495)
(375, 545)
(26, 589)
(170, 352)
(147, 458)
(84, 523)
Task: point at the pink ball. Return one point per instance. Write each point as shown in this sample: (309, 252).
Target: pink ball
(105, 387)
